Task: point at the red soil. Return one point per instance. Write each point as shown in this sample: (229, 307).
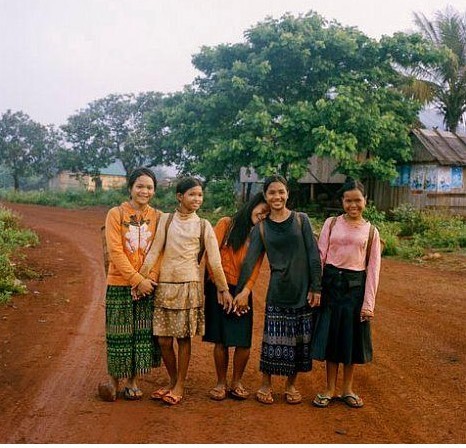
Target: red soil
(52, 356)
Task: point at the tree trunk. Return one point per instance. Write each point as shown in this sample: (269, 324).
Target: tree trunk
(16, 181)
(98, 183)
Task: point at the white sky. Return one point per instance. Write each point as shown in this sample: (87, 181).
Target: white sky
(56, 56)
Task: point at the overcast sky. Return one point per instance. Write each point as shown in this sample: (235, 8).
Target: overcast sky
(56, 56)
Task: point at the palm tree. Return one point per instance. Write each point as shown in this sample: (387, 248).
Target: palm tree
(443, 83)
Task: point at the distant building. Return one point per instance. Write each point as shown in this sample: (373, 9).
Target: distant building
(111, 177)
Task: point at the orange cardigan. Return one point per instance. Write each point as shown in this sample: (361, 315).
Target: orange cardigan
(129, 235)
(232, 261)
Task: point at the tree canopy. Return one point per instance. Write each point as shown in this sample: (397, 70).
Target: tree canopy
(110, 128)
(441, 78)
(297, 86)
(26, 147)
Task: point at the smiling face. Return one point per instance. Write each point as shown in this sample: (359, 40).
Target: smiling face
(259, 212)
(354, 203)
(191, 200)
(276, 196)
(142, 191)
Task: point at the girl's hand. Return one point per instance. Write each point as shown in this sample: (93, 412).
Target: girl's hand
(241, 302)
(313, 298)
(225, 299)
(146, 287)
(366, 315)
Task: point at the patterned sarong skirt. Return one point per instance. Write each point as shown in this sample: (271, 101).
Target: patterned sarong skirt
(131, 347)
(179, 310)
(286, 343)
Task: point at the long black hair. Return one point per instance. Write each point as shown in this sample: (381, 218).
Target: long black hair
(241, 223)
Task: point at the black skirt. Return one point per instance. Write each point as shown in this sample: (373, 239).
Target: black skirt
(222, 328)
(339, 334)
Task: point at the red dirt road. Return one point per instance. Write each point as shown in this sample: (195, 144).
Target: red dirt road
(52, 356)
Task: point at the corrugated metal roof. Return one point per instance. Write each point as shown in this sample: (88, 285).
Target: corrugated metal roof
(447, 148)
(114, 169)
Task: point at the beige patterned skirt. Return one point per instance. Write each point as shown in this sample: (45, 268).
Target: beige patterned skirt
(179, 310)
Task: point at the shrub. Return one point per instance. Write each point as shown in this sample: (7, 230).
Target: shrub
(410, 218)
(12, 237)
(373, 215)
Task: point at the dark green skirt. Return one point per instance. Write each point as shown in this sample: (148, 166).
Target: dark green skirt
(339, 335)
(229, 330)
(132, 348)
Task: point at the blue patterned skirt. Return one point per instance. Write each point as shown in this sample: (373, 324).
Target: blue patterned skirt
(286, 343)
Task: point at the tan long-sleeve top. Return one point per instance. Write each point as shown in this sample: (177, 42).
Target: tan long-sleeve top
(129, 234)
(180, 256)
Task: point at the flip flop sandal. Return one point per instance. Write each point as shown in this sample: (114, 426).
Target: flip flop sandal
(107, 392)
(132, 393)
(159, 393)
(352, 400)
(239, 393)
(172, 399)
(218, 393)
(321, 401)
(293, 397)
(264, 396)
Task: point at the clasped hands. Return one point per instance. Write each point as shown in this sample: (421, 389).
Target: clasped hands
(238, 305)
(145, 288)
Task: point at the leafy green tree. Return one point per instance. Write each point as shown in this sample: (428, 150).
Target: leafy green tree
(442, 80)
(298, 86)
(110, 128)
(27, 148)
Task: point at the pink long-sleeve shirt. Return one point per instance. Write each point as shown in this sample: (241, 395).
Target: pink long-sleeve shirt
(347, 250)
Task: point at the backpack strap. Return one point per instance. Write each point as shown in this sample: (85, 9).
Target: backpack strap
(331, 226)
(201, 241)
(369, 244)
(262, 233)
(104, 241)
(167, 225)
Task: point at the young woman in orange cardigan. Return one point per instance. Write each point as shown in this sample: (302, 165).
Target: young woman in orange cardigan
(232, 327)
(130, 229)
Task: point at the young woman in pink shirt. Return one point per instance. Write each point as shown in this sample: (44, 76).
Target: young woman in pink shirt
(350, 251)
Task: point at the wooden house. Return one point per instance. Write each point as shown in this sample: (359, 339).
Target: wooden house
(434, 179)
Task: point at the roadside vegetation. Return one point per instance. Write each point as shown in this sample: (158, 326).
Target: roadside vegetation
(407, 233)
(12, 238)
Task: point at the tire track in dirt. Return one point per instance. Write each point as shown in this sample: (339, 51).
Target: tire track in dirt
(413, 390)
(73, 373)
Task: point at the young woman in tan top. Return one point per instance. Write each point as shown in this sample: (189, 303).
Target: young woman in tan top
(179, 298)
